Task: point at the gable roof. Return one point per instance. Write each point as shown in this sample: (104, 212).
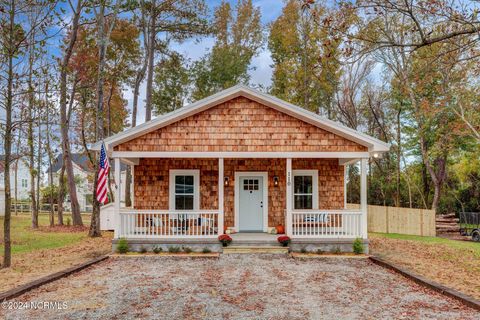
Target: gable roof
(80, 159)
(373, 144)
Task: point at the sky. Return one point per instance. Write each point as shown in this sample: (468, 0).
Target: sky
(261, 70)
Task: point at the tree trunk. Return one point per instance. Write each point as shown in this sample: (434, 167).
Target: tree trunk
(67, 160)
(109, 115)
(399, 153)
(151, 54)
(50, 158)
(102, 38)
(138, 80)
(7, 251)
(61, 194)
(95, 222)
(31, 148)
(50, 163)
(15, 183)
(64, 119)
(39, 161)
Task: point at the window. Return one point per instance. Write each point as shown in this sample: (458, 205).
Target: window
(305, 189)
(184, 190)
(24, 183)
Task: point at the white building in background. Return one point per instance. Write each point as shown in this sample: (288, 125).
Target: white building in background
(19, 178)
(19, 181)
(84, 176)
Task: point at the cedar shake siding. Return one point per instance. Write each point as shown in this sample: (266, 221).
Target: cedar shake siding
(151, 189)
(240, 125)
(151, 186)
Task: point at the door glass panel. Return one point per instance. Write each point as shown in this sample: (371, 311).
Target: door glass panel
(250, 184)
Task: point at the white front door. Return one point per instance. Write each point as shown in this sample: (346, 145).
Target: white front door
(251, 203)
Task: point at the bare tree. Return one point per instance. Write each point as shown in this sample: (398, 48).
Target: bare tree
(103, 36)
(429, 22)
(14, 42)
(64, 119)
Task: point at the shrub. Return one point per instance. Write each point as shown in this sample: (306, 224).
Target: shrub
(122, 246)
(284, 240)
(225, 239)
(157, 249)
(357, 246)
(303, 250)
(187, 249)
(143, 249)
(173, 249)
(69, 222)
(319, 251)
(206, 250)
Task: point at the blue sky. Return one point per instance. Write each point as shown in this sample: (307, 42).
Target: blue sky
(194, 49)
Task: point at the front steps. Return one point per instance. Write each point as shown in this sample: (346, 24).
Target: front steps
(255, 249)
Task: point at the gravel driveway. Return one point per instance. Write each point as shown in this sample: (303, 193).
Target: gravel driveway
(239, 287)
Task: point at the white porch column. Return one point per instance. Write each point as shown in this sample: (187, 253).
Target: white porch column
(289, 197)
(345, 186)
(132, 186)
(117, 198)
(363, 196)
(220, 196)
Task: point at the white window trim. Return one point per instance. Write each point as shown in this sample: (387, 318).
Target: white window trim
(314, 174)
(196, 188)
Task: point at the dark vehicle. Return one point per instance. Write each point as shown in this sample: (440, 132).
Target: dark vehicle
(470, 225)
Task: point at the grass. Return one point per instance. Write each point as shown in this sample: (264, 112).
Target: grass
(25, 239)
(454, 244)
(452, 263)
(37, 253)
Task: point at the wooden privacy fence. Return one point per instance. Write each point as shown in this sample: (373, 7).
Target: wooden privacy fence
(420, 222)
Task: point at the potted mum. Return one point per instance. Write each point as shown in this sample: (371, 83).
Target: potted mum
(225, 239)
(284, 240)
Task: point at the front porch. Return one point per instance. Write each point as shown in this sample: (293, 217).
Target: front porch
(217, 206)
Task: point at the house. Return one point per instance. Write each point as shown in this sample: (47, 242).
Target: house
(83, 172)
(242, 161)
(19, 177)
(19, 181)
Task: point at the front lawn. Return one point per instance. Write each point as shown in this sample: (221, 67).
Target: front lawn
(25, 239)
(453, 263)
(36, 253)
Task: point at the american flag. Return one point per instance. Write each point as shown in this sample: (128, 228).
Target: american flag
(103, 169)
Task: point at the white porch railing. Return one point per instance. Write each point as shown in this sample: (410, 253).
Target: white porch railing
(327, 224)
(168, 224)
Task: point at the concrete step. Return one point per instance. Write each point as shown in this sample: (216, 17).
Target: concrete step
(255, 249)
(255, 243)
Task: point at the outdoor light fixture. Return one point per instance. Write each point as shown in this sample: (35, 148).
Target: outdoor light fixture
(375, 155)
(275, 181)
(225, 181)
